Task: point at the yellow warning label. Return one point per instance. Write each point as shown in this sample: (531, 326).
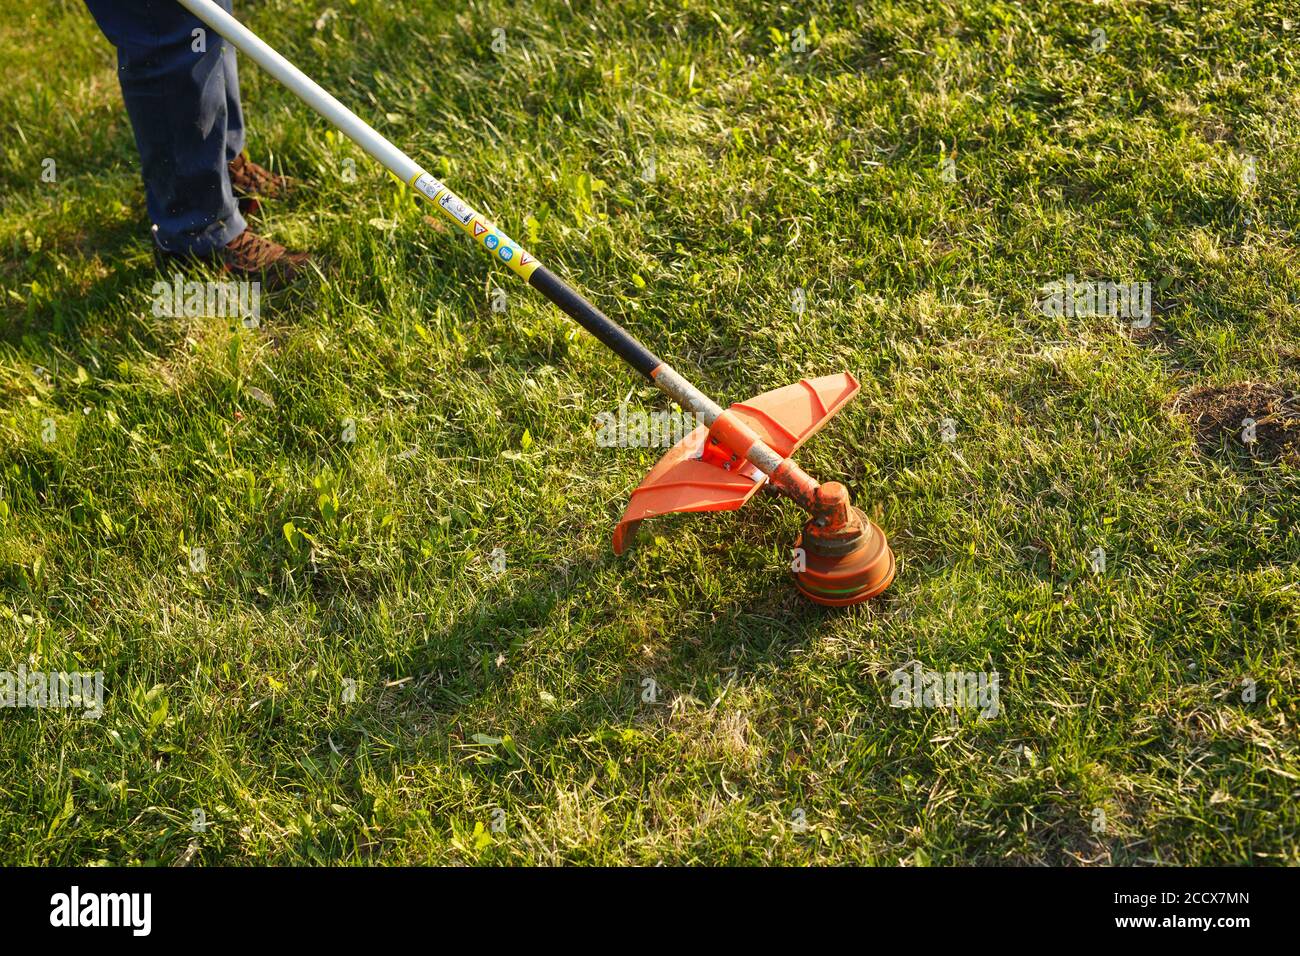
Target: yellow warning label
(475, 225)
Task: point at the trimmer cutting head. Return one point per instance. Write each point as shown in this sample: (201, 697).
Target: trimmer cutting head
(842, 557)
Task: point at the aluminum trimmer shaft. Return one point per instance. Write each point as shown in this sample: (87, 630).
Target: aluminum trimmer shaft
(487, 235)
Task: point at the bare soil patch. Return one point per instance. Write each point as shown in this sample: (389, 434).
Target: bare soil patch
(1219, 412)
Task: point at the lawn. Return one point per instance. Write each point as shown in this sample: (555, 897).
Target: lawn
(347, 574)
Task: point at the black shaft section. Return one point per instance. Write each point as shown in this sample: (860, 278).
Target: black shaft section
(609, 332)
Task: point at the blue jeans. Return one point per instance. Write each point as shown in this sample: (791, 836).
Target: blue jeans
(184, 109)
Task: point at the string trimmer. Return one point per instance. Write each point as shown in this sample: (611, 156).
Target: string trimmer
(841, 557)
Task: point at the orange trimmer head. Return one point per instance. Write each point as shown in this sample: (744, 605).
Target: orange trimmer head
(842, 557)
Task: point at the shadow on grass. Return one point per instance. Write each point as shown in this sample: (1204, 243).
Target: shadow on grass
(452, 685)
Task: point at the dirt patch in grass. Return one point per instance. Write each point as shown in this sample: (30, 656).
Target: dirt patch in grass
(1219, 413)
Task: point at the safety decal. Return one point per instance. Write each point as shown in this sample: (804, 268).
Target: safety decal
(428, 185)
(497, 242)
(454, 205)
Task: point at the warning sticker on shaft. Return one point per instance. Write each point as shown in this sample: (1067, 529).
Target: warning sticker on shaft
(454, 205)
(428, 185)
(489, 236)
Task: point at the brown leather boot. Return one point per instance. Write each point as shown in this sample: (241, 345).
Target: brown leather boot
(247, 256)
(249, 179)
(249, 182)
(250, 256)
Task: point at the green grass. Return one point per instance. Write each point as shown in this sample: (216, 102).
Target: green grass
(1121, 692)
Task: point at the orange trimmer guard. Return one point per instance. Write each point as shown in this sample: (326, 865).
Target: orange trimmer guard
(693, 476)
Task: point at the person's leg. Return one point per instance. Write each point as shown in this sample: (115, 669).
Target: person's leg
(177, 87)
(234, 109)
